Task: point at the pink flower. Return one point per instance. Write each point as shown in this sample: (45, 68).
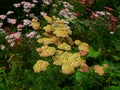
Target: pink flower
(43, 13)
(35, 1)
(47, 2)
(26, 22)
(16, 5)
(10, 12)
(19, 27)
(3, 17)
(17, 35)
(26, 10)
(12, 21)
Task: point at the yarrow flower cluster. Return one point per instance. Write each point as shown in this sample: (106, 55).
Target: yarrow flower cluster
(57, 34)
(40, 65)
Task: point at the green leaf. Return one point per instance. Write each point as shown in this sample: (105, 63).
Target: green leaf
(78, 76)
(93, 53)
(116, 57)
(112, 88)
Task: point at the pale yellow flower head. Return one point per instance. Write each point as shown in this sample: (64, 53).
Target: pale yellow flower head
(67, 60)
(66, 69)
(64, 46)
(47, 51)
(77, 42)
(47, 41)
(40, 65)
(84, 47)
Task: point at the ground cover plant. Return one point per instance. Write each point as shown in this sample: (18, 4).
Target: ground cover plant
(60, 45)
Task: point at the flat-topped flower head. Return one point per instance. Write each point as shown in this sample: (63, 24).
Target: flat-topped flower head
(40, 65)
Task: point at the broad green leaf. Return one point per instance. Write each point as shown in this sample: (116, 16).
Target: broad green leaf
(93, 53)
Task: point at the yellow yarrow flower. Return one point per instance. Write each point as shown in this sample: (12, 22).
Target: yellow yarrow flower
(66, 58)
(40, 65)
(64, 46)
(84, 47)
(48, 19)
(35, 24)
(48, 28)
(47, 51)
(77, 42)
(61, 32)
(47, 41)
(66, 69)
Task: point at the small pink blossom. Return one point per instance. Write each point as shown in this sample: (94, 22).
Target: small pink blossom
(17, 35)
(26, 22)
(43, 13)
(12, 44)
(47, 2)
(10, 12)
(3, 17)
(16, 5)
(35, 1)
(20, 27)
(26, 10)
(12, 21)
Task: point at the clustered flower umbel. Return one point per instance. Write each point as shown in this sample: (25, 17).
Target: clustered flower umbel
(57, 33)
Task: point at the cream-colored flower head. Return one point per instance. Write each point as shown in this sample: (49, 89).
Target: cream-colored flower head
(40, 65)
(77, 42)
(47, 41)
(35, 24)
(64, 46)
(48, 19)
(66, 69)
(67, 59)
(47, 51)
(84, 47)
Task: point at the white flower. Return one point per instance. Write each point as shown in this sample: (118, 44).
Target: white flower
(112, 32)
(2, 47)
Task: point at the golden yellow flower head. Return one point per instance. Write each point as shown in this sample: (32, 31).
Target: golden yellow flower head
(64, 46)
(48, 19)
(48, 28)
(62, 32)
(35, 24)
(47, 51)
(40, 65)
